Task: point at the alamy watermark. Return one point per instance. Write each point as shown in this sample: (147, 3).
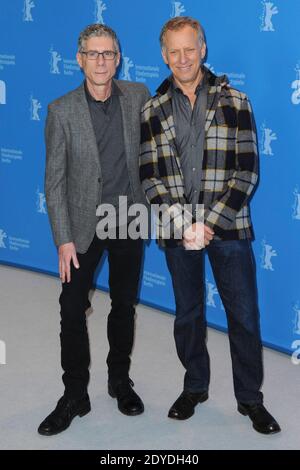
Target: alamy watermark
(141, 221)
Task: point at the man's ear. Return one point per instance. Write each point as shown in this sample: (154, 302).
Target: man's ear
(79, 59)
(203, 51)
(164, 56)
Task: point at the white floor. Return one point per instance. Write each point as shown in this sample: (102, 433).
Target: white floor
(30, 381)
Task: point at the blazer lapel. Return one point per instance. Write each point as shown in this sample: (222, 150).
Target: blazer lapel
(83, 114)
(126, 110)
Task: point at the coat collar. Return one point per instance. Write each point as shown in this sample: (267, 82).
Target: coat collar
(163, 102)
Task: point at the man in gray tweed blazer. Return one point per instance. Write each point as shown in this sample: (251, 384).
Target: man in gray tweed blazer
(92, 143)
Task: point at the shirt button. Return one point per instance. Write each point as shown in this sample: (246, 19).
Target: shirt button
(193, 146)
(194, 169)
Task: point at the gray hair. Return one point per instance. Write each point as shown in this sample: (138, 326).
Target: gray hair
(178, 23)
(97, 30)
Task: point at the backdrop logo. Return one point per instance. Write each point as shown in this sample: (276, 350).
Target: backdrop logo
(55, 58)
(7, 59)
(211, 291)
(296, 205)
(9, 155)
(268, 136)
(177, 9)
(297, 318)
(153, 279)
(14, 243)
(2, 237)
(28, 5)
(40, 202)
(100, 7)
(35, 106)
(236, 78)
(127, 65)
(269, 10)
(266, 257)
(138, 73)
(296, 86)
(68, 66)
(2, 352)
(2, 92)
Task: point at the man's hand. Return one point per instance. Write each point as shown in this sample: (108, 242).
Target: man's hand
(197, 236)
(66, 253)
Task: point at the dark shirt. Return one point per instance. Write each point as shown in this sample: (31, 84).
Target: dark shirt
(108, 126)
(189, 126)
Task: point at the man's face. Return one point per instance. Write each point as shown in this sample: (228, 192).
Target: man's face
(99, 71)
(183, 53)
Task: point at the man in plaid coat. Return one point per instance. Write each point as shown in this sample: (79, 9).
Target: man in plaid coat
(198, 168)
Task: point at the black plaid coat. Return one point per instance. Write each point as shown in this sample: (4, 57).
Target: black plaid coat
(230, 160)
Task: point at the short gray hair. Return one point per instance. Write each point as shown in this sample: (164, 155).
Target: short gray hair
(97, 30)
(179, 22)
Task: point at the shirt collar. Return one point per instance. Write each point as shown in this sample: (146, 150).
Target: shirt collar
(115, 90)
(201, 84)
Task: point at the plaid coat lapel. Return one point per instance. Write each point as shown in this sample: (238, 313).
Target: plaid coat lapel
(162, 104)
(214, 91)
(163, 108)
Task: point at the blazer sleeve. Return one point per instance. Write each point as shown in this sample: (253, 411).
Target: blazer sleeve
(56, 178)
(222, 212)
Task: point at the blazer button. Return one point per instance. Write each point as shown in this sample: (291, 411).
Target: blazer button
(99, 180)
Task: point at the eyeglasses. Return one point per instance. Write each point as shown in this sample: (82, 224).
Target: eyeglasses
(94, 55)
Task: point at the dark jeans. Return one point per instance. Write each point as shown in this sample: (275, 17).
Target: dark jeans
(124, 258)
(233, 266)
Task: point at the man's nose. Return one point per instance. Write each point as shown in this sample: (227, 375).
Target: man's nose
(100, 59)
(182, 57)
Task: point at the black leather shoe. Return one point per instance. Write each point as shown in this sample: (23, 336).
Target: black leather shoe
(184, 406)
(129, 403)
(61, 418)
(262, 420)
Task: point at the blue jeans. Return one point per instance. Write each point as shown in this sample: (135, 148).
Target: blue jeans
(233, 267)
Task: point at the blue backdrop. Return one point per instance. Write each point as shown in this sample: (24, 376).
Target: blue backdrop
(255, 42)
